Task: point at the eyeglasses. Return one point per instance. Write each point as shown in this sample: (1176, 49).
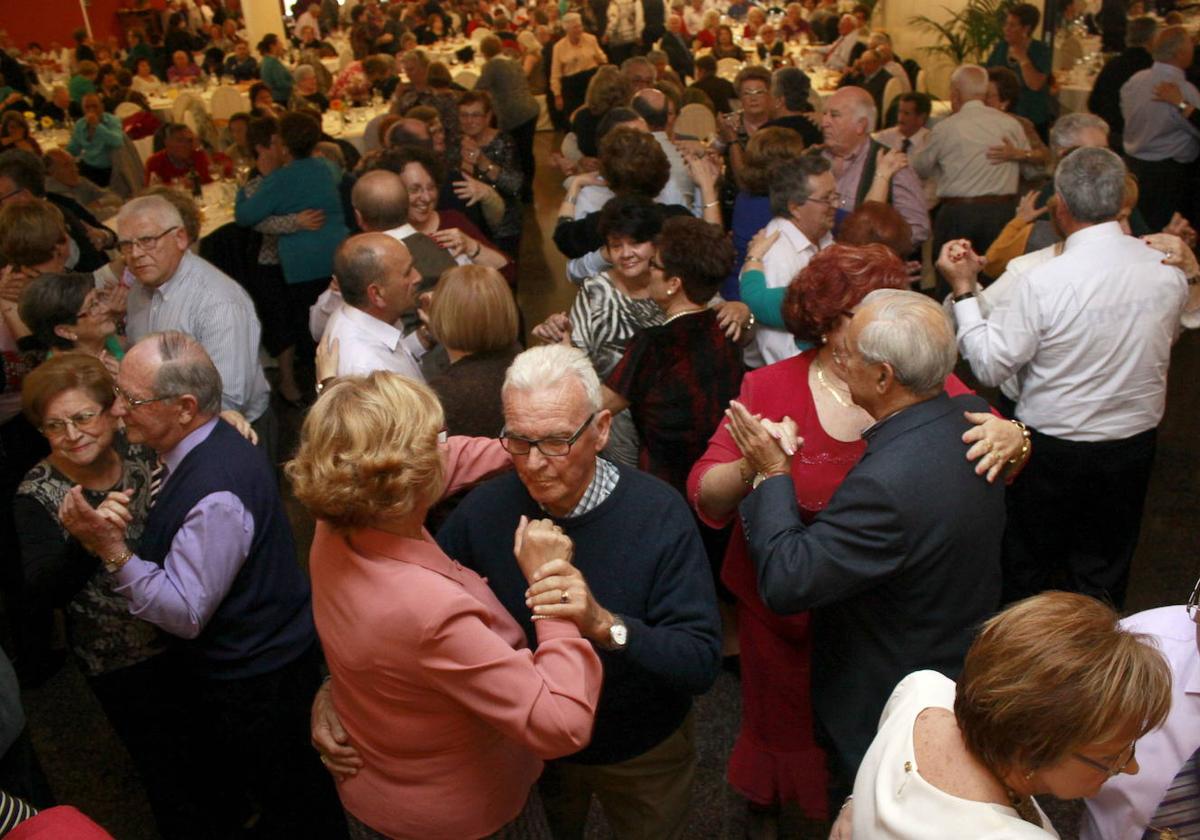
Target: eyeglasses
(145, 243)
(755, 92)
(96, 303)
(135, 403)
(57, 427)
(551, 447)
(8, 195)
(1193, 604)
(1123, 761)
(831, 200)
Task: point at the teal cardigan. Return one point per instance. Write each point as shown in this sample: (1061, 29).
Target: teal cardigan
(95, 148)
(277, 77)
(304, 184)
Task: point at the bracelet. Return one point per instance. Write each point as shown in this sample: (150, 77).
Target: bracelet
(324, 383)
(712, 203)
(112, 565)
(478, 248)
(746, 479)
(1025, 444)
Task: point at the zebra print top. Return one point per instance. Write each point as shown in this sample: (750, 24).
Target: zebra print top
(603, 319)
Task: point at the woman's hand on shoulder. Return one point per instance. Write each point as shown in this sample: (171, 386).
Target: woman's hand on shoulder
(993, 443)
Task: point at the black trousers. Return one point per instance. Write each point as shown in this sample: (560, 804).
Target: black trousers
(980, 223)
(1164, 187)
(1074, 515)
(522, 136)
(574, 91)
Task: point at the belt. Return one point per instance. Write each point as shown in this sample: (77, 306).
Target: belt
(979, 199)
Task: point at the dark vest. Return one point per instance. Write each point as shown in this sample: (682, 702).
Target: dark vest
(265, 620)
(868, 174)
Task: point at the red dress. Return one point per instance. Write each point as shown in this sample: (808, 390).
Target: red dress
(776, 758)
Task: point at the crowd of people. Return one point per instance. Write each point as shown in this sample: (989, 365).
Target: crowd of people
(744, 443)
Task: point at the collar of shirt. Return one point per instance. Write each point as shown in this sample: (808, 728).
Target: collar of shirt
(178, 279)
(1162, 69)
(1088, 236)
(401, 233)
(603, 482)
(380, 331)
(173, 458)
(799, 241)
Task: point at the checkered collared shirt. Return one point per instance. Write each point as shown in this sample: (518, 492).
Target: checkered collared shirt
(604, 481)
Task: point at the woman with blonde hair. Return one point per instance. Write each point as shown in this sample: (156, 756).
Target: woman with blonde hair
(1052, 699)
(432, 678)
(608, 89)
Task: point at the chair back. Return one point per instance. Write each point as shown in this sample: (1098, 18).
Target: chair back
(695, 122)
(126, 109)
(891, 90)
(226, 101)
(466, 78)
(479, 34)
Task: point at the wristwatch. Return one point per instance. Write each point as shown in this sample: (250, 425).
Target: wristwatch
(112, 565)
(618, 634)
(963, 296)
(1182, 106)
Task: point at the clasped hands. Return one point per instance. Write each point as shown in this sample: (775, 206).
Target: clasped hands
(556, 588)
(100, 530)
(767, 445)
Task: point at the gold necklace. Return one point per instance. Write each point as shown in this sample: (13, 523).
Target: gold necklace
(834, 391)
(684, 312)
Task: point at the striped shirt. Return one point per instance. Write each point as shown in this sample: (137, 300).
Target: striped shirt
(603, 318)
(202, 301)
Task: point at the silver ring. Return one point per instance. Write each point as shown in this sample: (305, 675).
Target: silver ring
(563, 597)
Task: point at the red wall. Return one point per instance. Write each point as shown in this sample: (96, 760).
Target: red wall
(55, 20)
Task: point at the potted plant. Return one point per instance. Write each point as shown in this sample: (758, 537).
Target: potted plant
(966, 36)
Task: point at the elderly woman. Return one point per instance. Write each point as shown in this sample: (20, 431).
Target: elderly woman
(1052, 699)
(1003, 91)
(306, 92)
(14, 133)
(419, 91)
(60, 107)
(450, 711)
(773, 763)
(490, 155)
(94, 140)
(34, 239)
(707, 35)
(608, 89)
(144, 81)
(69, 398)
(274, 75)
(68, 312)
(473, 315)
(183, 71)
(503, 79)
(422, 174)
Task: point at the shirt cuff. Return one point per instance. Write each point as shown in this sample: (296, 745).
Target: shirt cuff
(967, 312)
(135, 569)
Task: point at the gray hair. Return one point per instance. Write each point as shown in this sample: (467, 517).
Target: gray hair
(1091, 183)
(1169, 43)
(791, 84)
(572, 18)
(1141, 31)
(655, 56)
(789, 182)
(302, 72)
(879, 37)
(651, 105)
(1068, 128)
(909, 332)
(153, 206)
(185, 368)
(970, 80)
(544, 367)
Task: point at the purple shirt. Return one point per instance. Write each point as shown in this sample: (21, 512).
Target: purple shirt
(206, 554)
(908, 197)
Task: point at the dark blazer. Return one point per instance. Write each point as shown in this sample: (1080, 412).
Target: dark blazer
(898, 570)
(1105, 98)
(679, 55)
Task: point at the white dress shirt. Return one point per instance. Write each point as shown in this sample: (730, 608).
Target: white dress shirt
(680, 189)
(1088, 332)
(893, 139)
(957, 153)
(893, 801)
(838, 57)
(1124, 806)
(367, 344)
(205, 303)
(790, 253)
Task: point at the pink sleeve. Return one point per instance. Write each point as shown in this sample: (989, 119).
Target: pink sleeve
(470, 460)
(955, 387)
(721, 450)
(544, 699)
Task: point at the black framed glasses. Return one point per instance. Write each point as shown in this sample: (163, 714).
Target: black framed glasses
(145, 243)
(831, 200)
(135, 403)
(8, 195)
(81, 422)
(1123, 761)
(551, 447)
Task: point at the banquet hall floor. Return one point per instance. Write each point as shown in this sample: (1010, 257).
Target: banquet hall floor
(87, 766)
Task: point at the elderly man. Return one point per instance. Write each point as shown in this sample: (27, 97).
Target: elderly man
(978, 193)
(647, 602)
(803, 203)
(654, 108)
(63, 178)
(868, 74)
(241, 66)
(881, 42)
(640, 72)
(573, 62)
(1105, 99)
(865, 169)
(1160, 144)
(1090, 333)
(177, 290)
(380, 203)
(904, 563)
(378, 284)
(180, 159)
(1163, 794)
(679, 51)
(840, 53)
(216, 567)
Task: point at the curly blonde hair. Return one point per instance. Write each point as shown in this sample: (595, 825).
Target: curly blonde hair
(369, 450)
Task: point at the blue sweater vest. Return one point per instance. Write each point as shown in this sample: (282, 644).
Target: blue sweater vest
(265, 621)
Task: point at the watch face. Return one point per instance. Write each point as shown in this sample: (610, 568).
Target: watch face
(619, 634)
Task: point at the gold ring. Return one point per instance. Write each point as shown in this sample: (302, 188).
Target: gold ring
(325, 761)
(563, 597)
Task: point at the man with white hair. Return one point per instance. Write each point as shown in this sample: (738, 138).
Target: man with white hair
(1090, 333)
(839, 55)
(865, 169)
(177, 290)
(904, 563)
(647, 603)
(573, 62)
(1160, 144)
(978, 195)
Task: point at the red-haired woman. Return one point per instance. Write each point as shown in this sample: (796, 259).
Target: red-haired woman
(775, 758)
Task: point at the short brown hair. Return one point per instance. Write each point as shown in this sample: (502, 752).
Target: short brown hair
(834, 282)
(473, 310)
(368, 448)
(767, 147)
(1008, 89)
(473, 96)
(607, 89)
(1054, 673)
(30, 232)
(53, 300)
(631, 161)
(439, 75)
(750, 73)
(698, 253)
(490, 46)
(65, 372)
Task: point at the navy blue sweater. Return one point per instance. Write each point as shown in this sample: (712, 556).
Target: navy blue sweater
(265, 621)
(641, 555)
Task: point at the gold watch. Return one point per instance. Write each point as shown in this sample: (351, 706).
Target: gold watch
(112, 565)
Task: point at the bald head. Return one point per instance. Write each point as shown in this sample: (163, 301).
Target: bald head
(409, 131)
(967, 83)
(848, 119)
(180, 366)
(380, 200)
(366, 260)
(651, 105)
